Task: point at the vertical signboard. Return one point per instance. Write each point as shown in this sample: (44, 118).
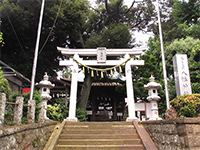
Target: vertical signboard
(181, 74)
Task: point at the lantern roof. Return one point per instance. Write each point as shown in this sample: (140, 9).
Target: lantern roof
(45, 82)
(152, 84)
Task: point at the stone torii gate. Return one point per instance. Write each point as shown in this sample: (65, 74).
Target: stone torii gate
(101, 54)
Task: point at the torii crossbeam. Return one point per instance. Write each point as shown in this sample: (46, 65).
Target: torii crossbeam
(101, 54)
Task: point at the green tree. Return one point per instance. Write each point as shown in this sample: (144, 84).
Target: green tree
(110, 25)
(188, 12)
(181, 23)
(76, 26)
(189, 46)
(141, 75)
(179, 19)
(110, 37)
(20, 30)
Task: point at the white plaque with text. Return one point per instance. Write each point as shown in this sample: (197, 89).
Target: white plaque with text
(101, 54)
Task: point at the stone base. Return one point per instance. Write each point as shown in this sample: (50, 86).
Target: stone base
(71, 119)
(130, 119)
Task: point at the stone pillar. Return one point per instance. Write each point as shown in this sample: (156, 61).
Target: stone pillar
(45, 108)
(18, 110)
(2, 106)
(154, 110)
(129, 90)
(42, 113)
(182, 74)
(73, 92)
(31, 112)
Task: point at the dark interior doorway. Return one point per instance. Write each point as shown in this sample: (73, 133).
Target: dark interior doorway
(105, 103)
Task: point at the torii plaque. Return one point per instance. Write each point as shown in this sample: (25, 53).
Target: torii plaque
(101, 61)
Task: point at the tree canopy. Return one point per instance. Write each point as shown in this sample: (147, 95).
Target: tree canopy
(181, 36)
(72, 24)
(20, 20)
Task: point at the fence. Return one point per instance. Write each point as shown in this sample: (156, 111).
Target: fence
(18, 110)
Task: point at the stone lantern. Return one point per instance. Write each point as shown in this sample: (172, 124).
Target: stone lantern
(153, 97)
(45, 85)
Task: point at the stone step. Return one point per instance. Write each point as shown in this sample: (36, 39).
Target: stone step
(97, 131)
(99, 123)
(102, 126)
(98, 136)
(98, 141)
(99, 147)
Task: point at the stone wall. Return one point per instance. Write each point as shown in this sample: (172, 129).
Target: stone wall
(175, 134)
(29, 137)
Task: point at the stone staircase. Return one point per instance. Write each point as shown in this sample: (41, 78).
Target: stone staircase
(99, 136)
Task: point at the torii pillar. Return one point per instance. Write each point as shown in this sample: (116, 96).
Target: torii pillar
(73, 92)
(126, 53)
(129, 90)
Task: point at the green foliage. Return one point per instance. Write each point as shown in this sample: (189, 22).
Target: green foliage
(4, 85)
(1, 36)
(24, 16)
(58, 111)
(81, 115)
(110, 37)
(187, 105)
(66, 72)
(180, 46)
(108, 24)
(189, 46)
(54, 112)
(141, 75)
(36, 96)
(188, 12)
(8, 118)
(181, 30)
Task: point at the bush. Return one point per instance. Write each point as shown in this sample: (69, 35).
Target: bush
(59, 112)
(54, 112)
(187, 105)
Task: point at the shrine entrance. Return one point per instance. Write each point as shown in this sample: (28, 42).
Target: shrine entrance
(105, 103)
(101, 54)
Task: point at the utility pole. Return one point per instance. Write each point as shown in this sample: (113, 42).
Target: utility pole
(163, 57)
(36, 51)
